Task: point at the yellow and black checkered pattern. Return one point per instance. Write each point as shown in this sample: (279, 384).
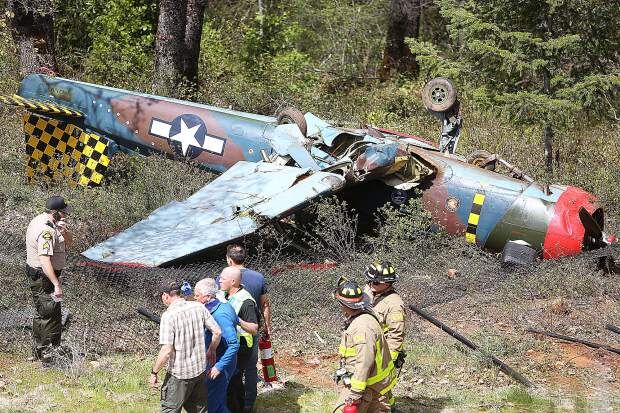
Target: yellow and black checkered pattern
(39, 107)
(62, 151)
(474, 218)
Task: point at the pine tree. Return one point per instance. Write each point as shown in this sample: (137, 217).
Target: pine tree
(536, 62)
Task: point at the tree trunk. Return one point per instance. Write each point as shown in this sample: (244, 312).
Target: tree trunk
(170, 46)
(32, 26)
(548, 142)
(548, 132)
(193, 35)
(404, 21)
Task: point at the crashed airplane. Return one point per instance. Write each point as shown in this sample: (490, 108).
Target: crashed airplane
(274, 166)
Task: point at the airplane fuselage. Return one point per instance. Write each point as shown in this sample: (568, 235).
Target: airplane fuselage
(487, 208)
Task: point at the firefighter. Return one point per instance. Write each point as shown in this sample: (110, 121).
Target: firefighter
(389, 308)
(366, 367)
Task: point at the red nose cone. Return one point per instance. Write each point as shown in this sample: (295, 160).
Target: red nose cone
(566, 231)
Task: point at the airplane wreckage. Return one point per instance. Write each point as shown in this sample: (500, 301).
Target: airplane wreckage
(274, 166)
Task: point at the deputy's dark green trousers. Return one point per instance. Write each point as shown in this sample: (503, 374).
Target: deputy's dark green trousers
(47, 321)
(190, 394)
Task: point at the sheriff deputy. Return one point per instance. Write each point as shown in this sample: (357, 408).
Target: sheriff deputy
(47, 238)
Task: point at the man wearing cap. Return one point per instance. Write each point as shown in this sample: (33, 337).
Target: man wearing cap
(389, 308)
(47, 239)
(182, 338)
(366, 368)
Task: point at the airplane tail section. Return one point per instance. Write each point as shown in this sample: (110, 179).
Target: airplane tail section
(57, 147)
(62, 151)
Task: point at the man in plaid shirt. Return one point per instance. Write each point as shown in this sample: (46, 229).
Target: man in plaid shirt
(181, 335)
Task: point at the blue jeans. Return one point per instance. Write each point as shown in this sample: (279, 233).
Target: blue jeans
(251, 376)
(216, 393)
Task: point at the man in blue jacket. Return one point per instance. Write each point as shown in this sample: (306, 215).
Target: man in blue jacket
(255, 283)
(219, 374)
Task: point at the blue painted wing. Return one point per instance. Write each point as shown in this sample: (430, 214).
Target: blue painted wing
(235, 204)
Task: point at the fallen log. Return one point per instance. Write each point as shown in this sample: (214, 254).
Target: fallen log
(506, 369)
(613, 328)
(574, 340)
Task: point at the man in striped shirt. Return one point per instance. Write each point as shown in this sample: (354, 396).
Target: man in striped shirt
(181, 335)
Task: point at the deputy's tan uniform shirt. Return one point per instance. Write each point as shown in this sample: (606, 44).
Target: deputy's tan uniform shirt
(390, 309)
(42, 238)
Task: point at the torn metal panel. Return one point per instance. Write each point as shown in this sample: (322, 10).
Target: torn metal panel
(228, 208)
(300, 194)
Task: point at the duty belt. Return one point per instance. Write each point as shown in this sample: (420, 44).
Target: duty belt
(34, 273)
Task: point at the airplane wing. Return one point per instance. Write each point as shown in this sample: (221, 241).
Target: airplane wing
(237, 203)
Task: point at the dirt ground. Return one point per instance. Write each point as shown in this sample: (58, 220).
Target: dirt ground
(573, 376)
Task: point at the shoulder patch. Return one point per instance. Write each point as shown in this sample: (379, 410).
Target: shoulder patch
(46, 245)
(396, 316)
(47, 235)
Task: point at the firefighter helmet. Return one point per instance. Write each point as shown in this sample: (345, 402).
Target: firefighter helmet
(382, 272)
(349, 293)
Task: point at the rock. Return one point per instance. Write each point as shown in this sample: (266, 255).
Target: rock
(94, 364)
(560, 306)
(452, 273)
(2, 385)
(444, 381)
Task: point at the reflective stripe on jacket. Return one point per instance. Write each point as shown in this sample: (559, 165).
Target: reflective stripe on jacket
(237, 300)
(365, 355)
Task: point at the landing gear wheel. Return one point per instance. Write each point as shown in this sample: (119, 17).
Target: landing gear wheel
(478, 157)
(439, 94)
(293, 115)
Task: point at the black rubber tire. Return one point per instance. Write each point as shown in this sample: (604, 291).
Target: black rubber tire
(478, 156)
(293, 116)
(439, 94)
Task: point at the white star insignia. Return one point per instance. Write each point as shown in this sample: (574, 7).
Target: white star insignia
(187, 137)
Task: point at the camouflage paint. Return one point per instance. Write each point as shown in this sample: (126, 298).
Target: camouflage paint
(487, 208)
(127, 118)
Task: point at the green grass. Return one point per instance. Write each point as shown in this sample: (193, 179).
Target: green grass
(118, 384)
(297, 398)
